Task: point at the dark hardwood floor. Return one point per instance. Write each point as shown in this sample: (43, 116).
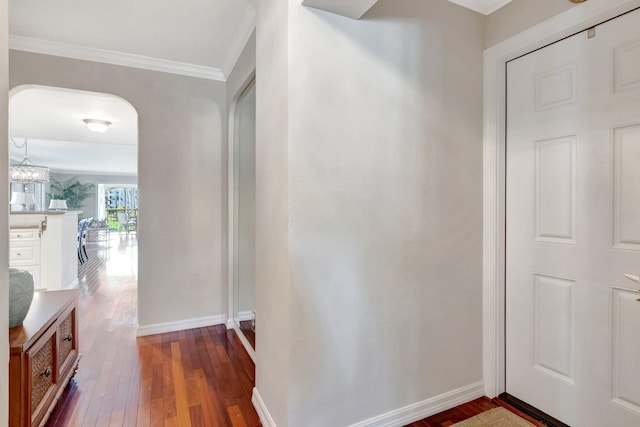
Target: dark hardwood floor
(200, 377)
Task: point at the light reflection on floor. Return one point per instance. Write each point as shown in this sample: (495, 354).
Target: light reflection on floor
(123, 256)
(112, 263)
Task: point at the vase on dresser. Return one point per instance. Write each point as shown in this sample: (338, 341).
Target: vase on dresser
(20, 295)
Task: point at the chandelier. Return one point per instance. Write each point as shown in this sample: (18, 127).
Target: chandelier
(27, 172)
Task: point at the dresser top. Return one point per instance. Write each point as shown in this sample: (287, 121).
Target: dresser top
(45, 309)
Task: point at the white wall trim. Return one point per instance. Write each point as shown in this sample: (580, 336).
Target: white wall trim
(261, 409)
(232, 221)
(417, 411)
(573, 20)
(245, 315)
(73, 284)
(245, 344)
(180, 325)
(46, 47)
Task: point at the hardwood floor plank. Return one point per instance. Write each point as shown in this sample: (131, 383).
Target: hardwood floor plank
(144, 398)
(208, 405)
(197, 418)
(177, 370)
(157, 418)
(235, 415)
(157, 381)
(168, 390)
(81, 404)
(131, 410)
(248, 412)
(117, 419)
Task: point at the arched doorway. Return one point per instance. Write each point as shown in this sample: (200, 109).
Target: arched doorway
(58, 126)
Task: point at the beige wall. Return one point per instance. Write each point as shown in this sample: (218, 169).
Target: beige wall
(4, 216)
(369, 162)
(273, 368)
(181, 132)
(520, 15)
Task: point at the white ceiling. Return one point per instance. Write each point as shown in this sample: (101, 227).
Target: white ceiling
(51, 119)
(204, 35)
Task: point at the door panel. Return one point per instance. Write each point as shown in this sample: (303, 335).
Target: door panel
(626, 184)
(555, 189)
(573, 227)
(625, 351)
(554, 328)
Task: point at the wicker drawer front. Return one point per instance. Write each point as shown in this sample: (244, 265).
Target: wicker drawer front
(66, 338)
(42, 372)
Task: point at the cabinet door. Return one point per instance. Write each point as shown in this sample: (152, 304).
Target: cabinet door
(42, 369)
(67, 341)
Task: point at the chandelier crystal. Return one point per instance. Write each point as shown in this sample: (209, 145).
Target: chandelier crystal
(27, 172)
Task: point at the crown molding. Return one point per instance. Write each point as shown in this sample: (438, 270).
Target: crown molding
(486, 7)
(46, 47)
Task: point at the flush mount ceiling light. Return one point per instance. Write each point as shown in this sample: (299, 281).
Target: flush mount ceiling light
(95, 125)
(27, 172)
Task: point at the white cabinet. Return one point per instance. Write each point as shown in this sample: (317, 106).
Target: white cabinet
(24, 251)
(45, 244)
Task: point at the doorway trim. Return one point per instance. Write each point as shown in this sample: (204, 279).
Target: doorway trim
(231, 217)
(572, 21)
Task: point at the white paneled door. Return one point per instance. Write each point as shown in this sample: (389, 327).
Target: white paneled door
(573, 227)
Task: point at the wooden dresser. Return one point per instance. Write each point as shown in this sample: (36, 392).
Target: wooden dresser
(44, 356)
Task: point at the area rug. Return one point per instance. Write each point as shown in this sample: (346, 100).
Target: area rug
(497, 417)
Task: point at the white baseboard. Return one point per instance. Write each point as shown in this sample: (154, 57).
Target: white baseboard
(181, 325)
(417, 411)
(242, 316)
(245, 315)
(261, 409)
(398, 417)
